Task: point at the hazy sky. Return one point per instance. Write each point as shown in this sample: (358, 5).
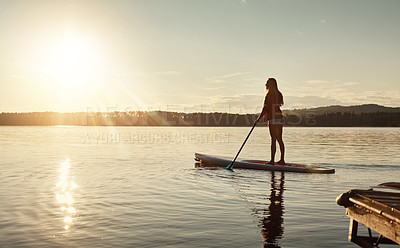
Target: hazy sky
(196, 55)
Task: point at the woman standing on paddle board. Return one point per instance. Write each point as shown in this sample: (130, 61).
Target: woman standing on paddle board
(273, 115)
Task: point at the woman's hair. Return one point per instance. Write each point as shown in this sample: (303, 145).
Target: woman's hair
(272, 87)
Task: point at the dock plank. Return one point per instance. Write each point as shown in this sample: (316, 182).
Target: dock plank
(377, 210)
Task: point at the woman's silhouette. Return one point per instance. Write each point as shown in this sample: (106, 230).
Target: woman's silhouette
(273, 114)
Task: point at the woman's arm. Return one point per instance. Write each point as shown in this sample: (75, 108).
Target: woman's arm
(264, 110)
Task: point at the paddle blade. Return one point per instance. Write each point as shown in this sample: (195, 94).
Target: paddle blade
(229, 167)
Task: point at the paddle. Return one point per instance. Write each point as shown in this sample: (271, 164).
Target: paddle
(230, 166)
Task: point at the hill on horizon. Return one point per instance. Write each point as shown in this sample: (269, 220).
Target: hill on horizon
(356, 109)
(370, 115)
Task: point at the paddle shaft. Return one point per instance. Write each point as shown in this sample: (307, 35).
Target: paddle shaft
(230, 166)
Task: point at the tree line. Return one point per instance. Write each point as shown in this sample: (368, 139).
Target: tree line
(164, 118)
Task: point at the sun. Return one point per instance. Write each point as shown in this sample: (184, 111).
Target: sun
(71, 68)
(75, 60)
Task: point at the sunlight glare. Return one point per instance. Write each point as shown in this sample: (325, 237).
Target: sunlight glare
(67, 219)
(64, 195)
(76, 58)
(74, 62)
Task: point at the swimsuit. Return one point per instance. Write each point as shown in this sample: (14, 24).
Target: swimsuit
(277, 121)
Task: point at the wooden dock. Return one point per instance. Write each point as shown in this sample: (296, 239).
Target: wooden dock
(377, 210)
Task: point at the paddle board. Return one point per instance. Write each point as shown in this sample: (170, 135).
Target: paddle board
(219, 161)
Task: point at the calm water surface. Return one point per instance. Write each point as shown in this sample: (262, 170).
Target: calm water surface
(138, 187)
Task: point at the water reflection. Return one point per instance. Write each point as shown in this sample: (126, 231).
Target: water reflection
(65, 188)
(272, 221)
(269, 214)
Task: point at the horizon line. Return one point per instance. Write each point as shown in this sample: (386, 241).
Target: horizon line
(159, 110)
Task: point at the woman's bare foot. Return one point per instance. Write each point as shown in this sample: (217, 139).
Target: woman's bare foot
(270, 162)
(281, 162)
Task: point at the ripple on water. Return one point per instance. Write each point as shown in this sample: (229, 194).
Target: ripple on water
(149, 195)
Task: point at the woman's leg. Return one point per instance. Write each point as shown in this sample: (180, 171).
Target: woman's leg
(279, 132)
(272, 133)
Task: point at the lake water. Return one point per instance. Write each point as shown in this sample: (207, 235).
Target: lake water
(138, 186)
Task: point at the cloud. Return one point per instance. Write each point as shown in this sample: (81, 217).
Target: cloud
(298, 102)
(240, 103)
(331, 83)
(350, 83)
(320, 82)
(314, 93)
(252, 103)
(167, 73)
(211, 88)
(223, 78)
(381, 97)
(324, 88)
(309, 94)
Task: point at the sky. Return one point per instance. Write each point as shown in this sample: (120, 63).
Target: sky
(196, 55)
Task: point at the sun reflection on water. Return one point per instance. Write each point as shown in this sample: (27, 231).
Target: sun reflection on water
(65, 188)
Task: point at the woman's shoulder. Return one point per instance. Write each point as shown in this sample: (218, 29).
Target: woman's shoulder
(270, 95)
(267, 97)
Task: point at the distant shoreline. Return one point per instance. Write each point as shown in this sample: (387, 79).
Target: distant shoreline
(333, 116)
(258, 125)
